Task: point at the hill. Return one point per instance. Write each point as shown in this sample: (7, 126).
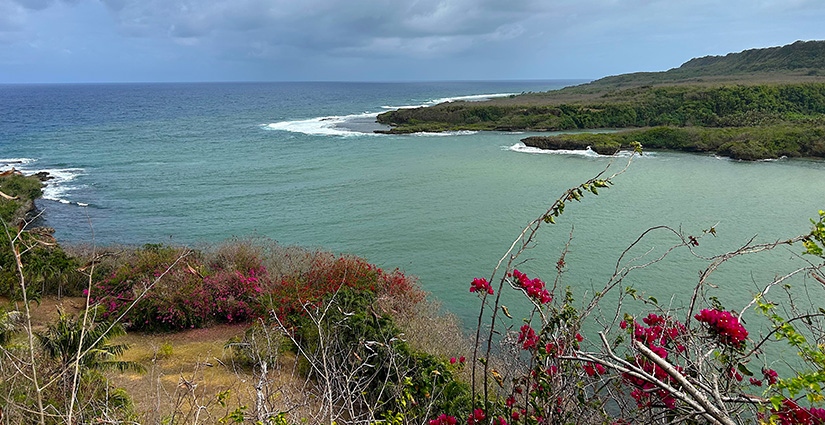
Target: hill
(792, 62)
(774, 88)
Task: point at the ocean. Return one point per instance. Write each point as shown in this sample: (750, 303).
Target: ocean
(299, 163)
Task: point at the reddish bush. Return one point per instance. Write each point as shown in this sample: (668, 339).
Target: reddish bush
(189, 294)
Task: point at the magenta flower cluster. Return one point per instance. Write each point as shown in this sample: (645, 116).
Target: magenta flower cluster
(790, 413)
(187, 297)
(661, 331)
(771, 376)
(528, 338)
(533, 287)
(443, 420)
(661, 334)
(725, 326)
(476, 417)
(481, 286)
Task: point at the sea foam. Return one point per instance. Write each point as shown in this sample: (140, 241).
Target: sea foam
(14, 162)
(56, 189)
(589, 153)
(322, 126)
(335, 125)
(445, 133)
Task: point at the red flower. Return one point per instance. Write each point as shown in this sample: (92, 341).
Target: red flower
(725, 326)
(770, 375)
(476, 417)
(534, 288)
(444, 420)
(481, 286)
(528, 338)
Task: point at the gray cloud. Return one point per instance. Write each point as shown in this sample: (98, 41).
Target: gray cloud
(368, 27)
(342, 38)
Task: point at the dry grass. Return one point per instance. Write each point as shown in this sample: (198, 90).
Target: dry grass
(186, 371)
(48, 308)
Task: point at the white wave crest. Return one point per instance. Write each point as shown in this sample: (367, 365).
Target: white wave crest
(589, 153)
(335, 125)
(322, 126)
(59, 188)
(445, 133)
(15, 162)
(471, 98)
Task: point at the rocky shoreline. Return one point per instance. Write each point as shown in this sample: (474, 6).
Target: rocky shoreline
(558, 143)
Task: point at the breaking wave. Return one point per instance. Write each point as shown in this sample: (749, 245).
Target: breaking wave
(57, 189)
(589, 153)
(337, 125)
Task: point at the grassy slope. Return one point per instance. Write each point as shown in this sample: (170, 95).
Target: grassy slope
(772, 89)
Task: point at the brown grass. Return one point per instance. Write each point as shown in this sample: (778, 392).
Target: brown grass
(188, 369)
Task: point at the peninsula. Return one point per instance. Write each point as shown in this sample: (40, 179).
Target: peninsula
(755, 104)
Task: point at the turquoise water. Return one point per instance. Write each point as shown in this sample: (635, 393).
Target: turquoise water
(185, 163)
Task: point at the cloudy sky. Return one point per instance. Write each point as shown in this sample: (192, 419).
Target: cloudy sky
(381, 40)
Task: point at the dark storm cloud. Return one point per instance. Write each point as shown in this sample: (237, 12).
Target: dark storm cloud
(387, 39)
(332, 26)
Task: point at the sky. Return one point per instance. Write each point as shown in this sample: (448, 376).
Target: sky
(70, 41)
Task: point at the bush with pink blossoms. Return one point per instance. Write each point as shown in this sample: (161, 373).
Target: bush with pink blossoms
(184, 292)
(724, 326)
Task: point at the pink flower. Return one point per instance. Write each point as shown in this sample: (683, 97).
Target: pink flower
(528, 338)
(481, 285)
(452, 360)
(534, 288)
(725, 326)
(476, 417)
(444, 420)
(770, 375)
(461, 359)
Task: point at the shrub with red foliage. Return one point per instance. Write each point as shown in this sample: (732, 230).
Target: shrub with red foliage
(328, 274)
(189, 295)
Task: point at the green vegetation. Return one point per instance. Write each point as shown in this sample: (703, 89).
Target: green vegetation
(339, 318)
(722, 106)
(803, 58)
(26, 189)
(729, 92)
(47, 268)
(746, 143)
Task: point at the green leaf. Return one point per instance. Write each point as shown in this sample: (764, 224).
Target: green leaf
(776, 401)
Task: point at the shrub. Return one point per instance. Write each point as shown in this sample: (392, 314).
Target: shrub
(172, 291)
(328, 274)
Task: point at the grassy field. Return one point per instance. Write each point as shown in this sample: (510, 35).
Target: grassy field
(188, 372)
